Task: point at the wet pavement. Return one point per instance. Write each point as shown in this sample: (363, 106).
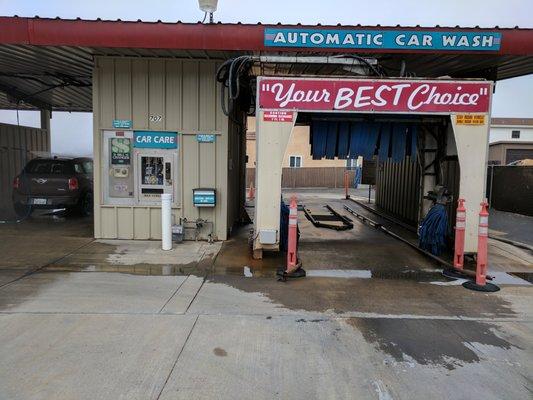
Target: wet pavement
(374, 319)
(510, 226)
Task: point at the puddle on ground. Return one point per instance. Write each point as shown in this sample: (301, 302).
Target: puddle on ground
(340, 273)
(192, 268)
(375, 296)
(446, 343)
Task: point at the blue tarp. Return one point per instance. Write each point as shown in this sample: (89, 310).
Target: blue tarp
(344, 139)
(331, 142)
(399, 140)
(384, 141)
(343, 143)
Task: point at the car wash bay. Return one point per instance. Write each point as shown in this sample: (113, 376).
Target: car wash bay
(416, 133)
(364, 251)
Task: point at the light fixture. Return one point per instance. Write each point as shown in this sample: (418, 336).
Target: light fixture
(208, 6)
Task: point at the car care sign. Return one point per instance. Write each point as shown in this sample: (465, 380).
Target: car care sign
(278, 116)
(374, 95)
(155, 140)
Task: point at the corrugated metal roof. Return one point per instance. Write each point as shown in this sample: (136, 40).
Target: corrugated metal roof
(259, 23)
(33, 56)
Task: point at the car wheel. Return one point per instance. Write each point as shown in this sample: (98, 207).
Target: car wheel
(86, 205)
(22, 210)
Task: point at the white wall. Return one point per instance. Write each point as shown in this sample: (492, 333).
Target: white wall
(503, 133)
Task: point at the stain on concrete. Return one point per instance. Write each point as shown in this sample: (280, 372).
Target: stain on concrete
(309, 320)
(220, 352)
(446, 343)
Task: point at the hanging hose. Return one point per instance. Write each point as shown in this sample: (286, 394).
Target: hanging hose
(229, 75)
(433, 231)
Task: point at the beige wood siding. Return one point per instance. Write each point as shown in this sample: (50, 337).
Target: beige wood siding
(18, 145)
(186, 94)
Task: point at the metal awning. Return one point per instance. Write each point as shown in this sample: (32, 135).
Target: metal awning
(47, 63)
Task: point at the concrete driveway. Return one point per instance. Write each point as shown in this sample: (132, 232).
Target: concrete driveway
(198, 325)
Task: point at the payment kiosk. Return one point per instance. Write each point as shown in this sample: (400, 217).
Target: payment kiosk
(140, 166)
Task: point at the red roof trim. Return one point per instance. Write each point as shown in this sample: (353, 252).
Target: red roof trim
(197, 36)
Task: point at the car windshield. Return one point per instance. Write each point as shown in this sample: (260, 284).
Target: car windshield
(49, 167)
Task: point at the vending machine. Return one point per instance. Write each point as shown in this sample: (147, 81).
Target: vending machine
(156, 163)
(155, 175)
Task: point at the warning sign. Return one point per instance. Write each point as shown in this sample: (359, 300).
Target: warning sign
(278, 116)
(469, 119)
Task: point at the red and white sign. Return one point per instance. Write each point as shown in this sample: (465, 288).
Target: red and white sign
(278, 116)
(374, 95)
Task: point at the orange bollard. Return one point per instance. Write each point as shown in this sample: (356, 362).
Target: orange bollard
(346, 183)
(483, 235)
(292, 259)
(294, 268)
(251, 192)
(460, 225)
(481, 284)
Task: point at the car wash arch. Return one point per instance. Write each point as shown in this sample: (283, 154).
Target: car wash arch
(435, 128)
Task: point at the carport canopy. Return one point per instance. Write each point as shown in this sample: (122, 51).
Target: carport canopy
(48, 63)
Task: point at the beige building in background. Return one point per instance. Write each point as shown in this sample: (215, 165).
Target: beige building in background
(299, 149)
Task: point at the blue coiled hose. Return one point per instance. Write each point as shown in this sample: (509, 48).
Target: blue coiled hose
(433, 232)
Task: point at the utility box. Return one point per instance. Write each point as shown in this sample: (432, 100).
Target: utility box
(268, 236)
(202, 197)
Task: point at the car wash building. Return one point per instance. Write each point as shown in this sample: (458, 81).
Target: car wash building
(170, 101)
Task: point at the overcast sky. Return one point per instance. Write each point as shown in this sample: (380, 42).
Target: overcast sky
(72, 132)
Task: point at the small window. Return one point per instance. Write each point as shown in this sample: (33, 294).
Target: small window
(295, 161)
(49, 167)
(515, 134)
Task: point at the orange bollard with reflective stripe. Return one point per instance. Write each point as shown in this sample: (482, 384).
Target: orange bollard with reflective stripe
(292, 258)
(482, 250)
(460, 225)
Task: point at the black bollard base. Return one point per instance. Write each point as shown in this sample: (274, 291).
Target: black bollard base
(487, 287)
(283, 276)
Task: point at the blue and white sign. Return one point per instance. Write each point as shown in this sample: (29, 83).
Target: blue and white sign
(386, 39)
(155, 140)
(205, 138)
(122, 123)
(204, 197)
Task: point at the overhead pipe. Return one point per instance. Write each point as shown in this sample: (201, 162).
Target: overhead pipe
(338, 60)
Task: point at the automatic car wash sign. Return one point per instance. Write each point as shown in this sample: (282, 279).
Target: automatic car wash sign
(386, 39)
(155, 140)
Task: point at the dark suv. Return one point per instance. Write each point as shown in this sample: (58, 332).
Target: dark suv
(52, 183)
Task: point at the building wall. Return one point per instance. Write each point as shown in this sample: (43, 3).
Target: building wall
(298, 146)
(18, 145)
(498, 151)
(500, 133)
(186, 95)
